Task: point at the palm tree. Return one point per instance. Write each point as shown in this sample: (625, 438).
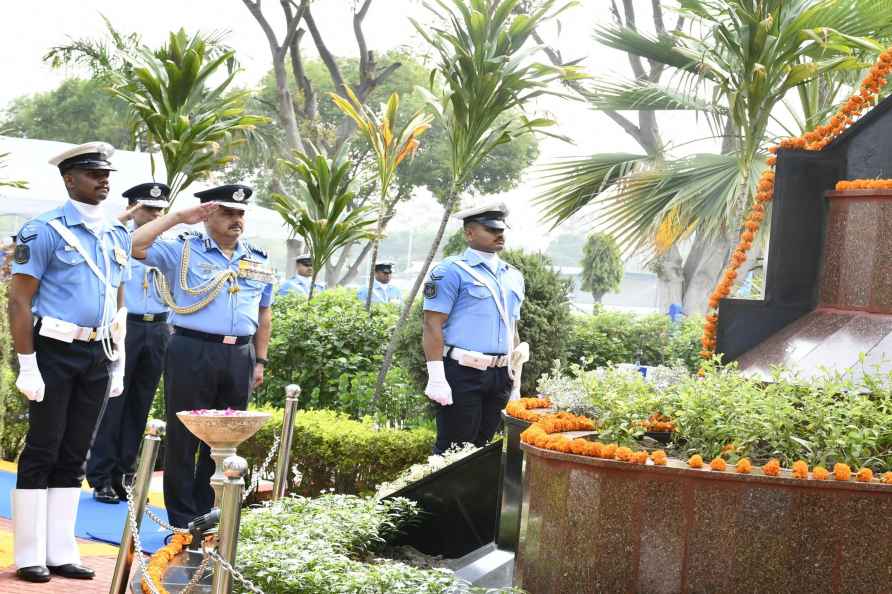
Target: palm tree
(323, 216)
(483, 79)
(389, 146)
(193, 125)
(737, 63)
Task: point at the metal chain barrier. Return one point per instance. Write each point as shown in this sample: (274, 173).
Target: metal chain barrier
(233, 571)
(137, 547)
(255, 478)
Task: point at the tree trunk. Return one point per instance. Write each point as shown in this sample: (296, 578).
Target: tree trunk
(702, 269)
(286, 107)
(371, 285)
(670, 279)
(410, 297)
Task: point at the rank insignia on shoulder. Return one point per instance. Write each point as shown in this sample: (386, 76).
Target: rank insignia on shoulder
(188, 235)
(22, 253)
(430, 290)
(435, 276)
(257, 251)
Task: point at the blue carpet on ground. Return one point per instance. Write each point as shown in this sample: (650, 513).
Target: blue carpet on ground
(96, 521)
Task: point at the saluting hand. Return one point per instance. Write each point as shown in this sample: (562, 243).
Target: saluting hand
(197, 214)
(128, 214)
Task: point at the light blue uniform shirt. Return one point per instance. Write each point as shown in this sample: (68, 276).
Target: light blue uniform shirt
(381, 293)
(474, 322)
(300, 284)
(229, 314)
(139, 292)
(69, 290)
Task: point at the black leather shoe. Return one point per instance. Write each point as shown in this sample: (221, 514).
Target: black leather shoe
(35, 573)
(73, 571)
(105, 494)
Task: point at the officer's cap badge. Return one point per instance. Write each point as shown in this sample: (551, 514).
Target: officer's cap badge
(155, 192)
(239, 195)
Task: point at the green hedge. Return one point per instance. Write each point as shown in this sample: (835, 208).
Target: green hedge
(332, 451)
(316, 343)
(13, 406)
(618, 337)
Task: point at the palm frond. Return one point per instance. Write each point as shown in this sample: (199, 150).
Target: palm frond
(645, 96)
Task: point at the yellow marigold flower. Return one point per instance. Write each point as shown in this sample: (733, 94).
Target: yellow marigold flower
(819, 473)
(865, 475)
(718, 463)
(743, 466)
(660, 459)
(623, 453)
(887, 478)
(695, 461)
(841, 471)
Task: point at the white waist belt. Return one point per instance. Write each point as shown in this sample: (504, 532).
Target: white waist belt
(480, 360)
(67, 331)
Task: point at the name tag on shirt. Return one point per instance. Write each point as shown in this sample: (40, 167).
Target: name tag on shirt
(121, 256)
(255, 271)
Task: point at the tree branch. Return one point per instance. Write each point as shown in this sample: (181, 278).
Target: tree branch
(634, 61)
(365, 56)
(326, 56)
(254, 9)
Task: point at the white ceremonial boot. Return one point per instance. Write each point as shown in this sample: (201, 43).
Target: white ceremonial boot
(29, 531)
(62, 555)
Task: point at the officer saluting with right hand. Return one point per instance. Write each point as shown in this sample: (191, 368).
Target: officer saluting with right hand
(471, 307)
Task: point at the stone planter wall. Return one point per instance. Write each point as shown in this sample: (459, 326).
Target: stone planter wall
(592, 526)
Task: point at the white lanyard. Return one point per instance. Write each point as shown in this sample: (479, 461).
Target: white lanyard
(503, 313)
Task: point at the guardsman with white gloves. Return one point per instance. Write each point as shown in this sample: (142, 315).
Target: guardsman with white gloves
(471, 308)
(300, 282)
(382, 290)
(123, 424)
(220, 289)
(69, 269)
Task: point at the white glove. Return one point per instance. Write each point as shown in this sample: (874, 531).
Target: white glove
(117, 374)
(437, 388)
(118, 329)
(519, 356)
(30, 382)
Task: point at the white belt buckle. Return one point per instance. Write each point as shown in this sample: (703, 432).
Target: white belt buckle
(230, 339)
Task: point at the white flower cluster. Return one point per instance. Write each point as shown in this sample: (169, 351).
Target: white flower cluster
(416, 472)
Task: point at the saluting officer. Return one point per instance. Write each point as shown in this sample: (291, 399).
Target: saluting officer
(471, 307)
(222, 288)
(382, 290)
(69, 267)
(124, 421)
(302, 278)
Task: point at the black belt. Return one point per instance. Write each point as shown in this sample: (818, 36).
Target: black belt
(219, 338)
(147, 317)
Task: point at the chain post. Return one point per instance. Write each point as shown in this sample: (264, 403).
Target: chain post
(292, 394)
(150, 444)
(234, 467)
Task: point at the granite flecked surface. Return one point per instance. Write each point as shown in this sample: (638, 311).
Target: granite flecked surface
(606, 526)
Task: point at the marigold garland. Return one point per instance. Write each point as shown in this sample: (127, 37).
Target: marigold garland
(520, 408)
(815, 140)
(161, 559)
(864, 184)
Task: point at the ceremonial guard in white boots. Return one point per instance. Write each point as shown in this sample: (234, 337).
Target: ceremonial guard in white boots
(67, 321)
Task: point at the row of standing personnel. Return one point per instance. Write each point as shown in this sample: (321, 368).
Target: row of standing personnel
(80, 348)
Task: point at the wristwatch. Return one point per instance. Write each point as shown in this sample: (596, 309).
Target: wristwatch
(262, 361)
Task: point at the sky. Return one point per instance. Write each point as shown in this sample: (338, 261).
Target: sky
(29, 29)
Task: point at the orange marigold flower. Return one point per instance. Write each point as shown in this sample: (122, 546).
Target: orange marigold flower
(623, 453)
(609, 451)
(640, 457)
(743, 466)
(718, 463)
(800, 469)
(865, 475)
(841, 471)
(820, 473)
(771, 161)
(772, 468)
(660, 459)
(695, 461)
(887, 478)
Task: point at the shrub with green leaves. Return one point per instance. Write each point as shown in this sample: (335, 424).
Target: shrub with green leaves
(332, 545)
(618, 337)
(332, 451)
(544, 321)
(317, 343)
